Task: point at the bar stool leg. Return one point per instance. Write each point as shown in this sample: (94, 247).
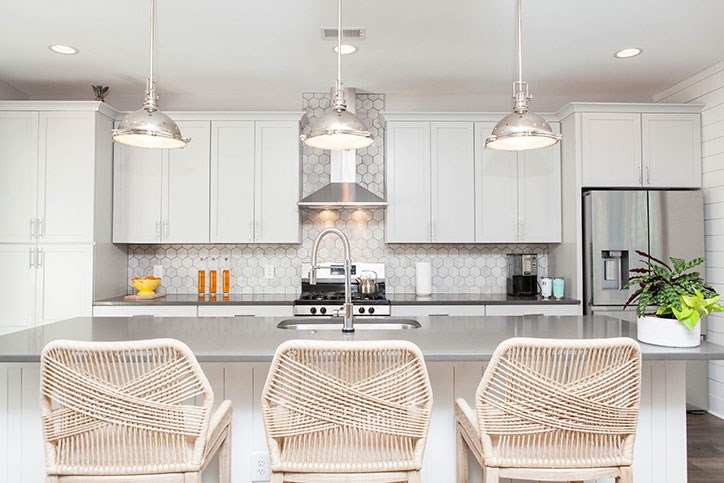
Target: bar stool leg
(462, 457)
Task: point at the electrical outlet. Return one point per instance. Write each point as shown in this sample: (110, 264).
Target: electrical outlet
(260, 467)
(268, 271)
(158, 271)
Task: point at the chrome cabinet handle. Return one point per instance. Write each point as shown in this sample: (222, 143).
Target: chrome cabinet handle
(32, 228)
(40, 258)
(165, 228)
(32, 253)
(648, 181)
(251, 230)
(41, 228)
(641, 175)
(522, 230)
(158, 230)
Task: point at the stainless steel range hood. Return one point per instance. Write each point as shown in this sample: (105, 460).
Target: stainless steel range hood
(343, 191)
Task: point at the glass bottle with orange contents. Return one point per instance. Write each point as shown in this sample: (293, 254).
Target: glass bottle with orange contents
(202, 278)
(212, 276)
(226, 277)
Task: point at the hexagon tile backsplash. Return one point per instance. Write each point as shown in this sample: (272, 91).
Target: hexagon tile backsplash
(456, 268)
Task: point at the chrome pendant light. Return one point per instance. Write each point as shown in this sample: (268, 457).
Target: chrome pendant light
(148, 127)
(521, 130)
(339, 129)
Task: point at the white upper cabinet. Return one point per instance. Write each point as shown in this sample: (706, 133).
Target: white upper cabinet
(277, 189)
(408, 182)
(162, 195)
(232, 181)
(453, 182)
(496, 190)
(518, 194)
(237, 181)
(137, 180)
(611, 144)
(18, 176)
(671, 150)
(185, 191)
(539, 194)
(66, 176)
(634, 149)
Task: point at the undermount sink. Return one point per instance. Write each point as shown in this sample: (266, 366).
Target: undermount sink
(335, 323)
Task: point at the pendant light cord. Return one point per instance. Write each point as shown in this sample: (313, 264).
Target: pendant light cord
(339, 101)
(520, 41)
(151, 102)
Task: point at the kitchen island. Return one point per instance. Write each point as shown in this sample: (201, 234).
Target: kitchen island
(235, 353)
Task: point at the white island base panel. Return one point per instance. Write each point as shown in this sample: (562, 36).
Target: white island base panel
(660, 455)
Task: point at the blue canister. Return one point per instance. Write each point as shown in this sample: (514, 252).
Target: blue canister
(559, 287)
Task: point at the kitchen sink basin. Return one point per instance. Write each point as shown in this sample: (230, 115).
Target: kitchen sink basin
(335, 323)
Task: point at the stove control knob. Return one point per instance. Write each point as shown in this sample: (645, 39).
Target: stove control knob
(372, 310)
(361, 310)
(323, 310)
(313, 310)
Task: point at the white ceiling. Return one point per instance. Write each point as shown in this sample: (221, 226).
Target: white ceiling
(424, 54)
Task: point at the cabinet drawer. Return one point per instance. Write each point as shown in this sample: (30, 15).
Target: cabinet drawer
(148, 310)
(539, 309)
(245, 310)
(432, 310)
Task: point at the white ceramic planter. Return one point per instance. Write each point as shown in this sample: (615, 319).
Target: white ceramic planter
(667, 332)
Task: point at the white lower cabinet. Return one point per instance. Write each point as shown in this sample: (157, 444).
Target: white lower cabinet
(145, 310)
(46, 283)
(245, 311)
(437, 310)
(538, 309)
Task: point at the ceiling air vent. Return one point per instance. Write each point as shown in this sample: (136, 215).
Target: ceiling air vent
(330, 33)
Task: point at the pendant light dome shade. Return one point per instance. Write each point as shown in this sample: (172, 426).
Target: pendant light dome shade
(521, 129)
(148, 127)
(518, 132)
(339, 130)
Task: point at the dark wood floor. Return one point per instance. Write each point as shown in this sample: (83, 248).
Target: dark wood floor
(705, 448)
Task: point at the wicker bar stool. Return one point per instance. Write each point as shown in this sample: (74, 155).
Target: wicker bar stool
(129, 412)
(554, 410)
(347, 411)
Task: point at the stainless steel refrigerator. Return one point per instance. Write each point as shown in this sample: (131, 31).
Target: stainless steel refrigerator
(615, 225)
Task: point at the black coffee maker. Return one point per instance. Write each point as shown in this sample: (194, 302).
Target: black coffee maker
(522, 274)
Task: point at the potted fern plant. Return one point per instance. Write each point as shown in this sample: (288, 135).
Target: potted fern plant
(671, 299)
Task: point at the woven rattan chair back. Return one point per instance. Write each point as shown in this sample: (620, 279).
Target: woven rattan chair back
(347, 407)
(123, 408)
(560, 403)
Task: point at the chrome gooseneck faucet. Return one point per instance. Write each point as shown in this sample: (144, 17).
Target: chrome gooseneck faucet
(348, 325)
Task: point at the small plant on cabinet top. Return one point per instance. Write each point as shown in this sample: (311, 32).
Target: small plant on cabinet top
(676, 292)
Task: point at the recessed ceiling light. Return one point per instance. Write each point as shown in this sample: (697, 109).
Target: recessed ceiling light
(346, 49)
(63, 49)
(629, 52)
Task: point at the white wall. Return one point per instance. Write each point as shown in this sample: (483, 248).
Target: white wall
(707, 88)
(9, 93)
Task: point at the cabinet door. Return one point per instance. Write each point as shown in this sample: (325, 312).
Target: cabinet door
(539, 194)
(277, 189)
(17, 298)
(496, 191)
(232, 182)
(64, 282)
(137, 194)
(18, 176)
(408, 182)
(672, 150)
(66, 176)
(611, 150)
(185, 209)
(453, 182)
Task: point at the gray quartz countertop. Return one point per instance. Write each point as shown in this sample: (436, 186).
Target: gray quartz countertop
(395, 299)
(254, 339)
